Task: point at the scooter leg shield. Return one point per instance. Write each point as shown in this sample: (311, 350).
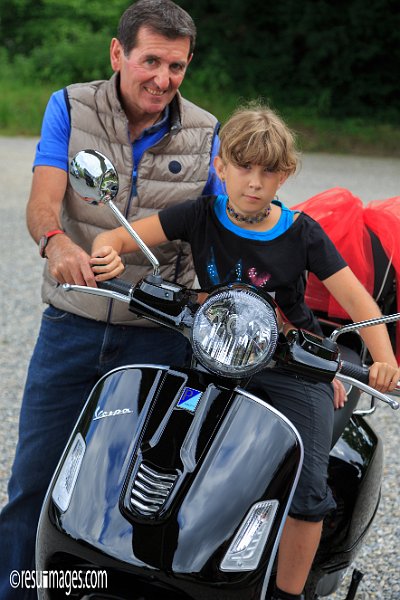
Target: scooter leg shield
(160, 475)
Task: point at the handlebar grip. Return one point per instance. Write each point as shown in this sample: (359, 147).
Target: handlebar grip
(359, 372)
(116, 285)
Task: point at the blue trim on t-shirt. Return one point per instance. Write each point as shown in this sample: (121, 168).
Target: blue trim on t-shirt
(285, 221)
(52, 149)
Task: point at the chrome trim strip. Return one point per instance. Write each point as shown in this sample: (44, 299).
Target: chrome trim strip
(141, 496)
(286, 512)
(132, 366)
(144, 509)
(163, 476)
(162, 487)
(140, 486)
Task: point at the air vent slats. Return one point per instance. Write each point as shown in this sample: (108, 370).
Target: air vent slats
(150, 490)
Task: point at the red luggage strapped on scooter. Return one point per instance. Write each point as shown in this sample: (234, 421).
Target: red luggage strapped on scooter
(360, 233)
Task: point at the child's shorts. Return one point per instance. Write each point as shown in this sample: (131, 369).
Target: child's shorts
(309, 406)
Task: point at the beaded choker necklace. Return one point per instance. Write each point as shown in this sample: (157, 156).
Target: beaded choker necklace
(243, 219)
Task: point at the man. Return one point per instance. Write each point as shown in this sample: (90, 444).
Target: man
(162, 147)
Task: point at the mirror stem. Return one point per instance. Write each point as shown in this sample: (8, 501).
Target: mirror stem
(140, 243)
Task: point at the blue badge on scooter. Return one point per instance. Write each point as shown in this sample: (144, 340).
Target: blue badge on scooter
(189, 399)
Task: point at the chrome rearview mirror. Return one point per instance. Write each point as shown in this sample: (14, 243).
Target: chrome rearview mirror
(93, 177)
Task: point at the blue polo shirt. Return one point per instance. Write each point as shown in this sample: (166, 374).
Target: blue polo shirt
(52, 149)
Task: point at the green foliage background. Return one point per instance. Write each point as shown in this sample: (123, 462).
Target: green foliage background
(341, 58)
(313, 60)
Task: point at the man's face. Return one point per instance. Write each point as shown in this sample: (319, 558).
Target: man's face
(152, 72)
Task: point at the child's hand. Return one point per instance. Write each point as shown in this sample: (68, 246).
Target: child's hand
(383, 377)
(106, 263)
(339, 394)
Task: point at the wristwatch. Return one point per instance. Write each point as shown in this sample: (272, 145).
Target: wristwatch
(44, 240)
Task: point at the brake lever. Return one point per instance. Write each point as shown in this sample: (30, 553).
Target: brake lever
(69, 287)
(370, 390)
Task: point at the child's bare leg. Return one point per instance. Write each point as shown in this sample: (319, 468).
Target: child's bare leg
(297, 549)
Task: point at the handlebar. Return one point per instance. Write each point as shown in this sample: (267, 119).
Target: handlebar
(116, 285)
(121, 290)
(358, 375)
(359, 372)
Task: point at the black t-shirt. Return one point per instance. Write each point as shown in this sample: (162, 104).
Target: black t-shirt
(277, 265)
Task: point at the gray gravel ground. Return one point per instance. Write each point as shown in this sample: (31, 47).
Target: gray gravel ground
(21, 308)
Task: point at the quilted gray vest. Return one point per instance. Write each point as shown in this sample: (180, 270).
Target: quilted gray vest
(173, 170)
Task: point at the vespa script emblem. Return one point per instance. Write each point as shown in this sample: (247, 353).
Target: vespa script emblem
(102, 414)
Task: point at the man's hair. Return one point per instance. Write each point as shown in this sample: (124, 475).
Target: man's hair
(161, 16)
(255, 134)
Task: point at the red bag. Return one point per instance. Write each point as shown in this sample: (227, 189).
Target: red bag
(345, 219)
(340, 215)
(383, 218)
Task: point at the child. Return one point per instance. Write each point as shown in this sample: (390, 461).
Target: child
(248, 235)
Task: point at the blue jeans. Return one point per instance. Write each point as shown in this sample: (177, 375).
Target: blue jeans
(70, 356)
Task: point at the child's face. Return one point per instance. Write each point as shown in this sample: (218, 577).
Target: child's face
(250, 188)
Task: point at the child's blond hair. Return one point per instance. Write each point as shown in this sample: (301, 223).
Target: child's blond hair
(255, 134)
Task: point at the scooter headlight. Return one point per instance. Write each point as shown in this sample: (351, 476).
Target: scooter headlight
(235, 332)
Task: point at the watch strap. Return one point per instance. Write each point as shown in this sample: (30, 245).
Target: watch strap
(44, 240)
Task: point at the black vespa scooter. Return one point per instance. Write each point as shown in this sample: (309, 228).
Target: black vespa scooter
(176, 482)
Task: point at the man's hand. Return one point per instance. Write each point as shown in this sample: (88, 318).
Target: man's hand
(69, 263)
(106, 263)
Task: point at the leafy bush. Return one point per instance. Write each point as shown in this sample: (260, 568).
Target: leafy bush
(336, 58)
(59, 40)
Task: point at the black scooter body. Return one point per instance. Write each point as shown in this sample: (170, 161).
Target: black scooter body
(226, 450)
(355, 477)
